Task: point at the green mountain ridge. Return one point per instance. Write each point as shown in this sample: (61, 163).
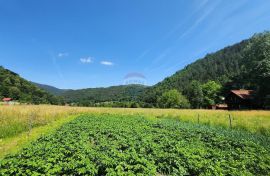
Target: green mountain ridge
(219, 66)
(91, 96)
(122, 93)
(233, 67)
(17, 88)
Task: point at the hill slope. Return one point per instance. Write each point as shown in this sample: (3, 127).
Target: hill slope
(13, 86)
(231, 67)
(95, 95)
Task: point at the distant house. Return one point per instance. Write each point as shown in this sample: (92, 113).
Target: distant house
(7, 100)
(240, 99)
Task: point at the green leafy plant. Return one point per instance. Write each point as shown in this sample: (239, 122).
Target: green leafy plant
(134, 145)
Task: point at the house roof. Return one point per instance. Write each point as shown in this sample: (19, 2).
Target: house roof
(7, 99)
(244, 94)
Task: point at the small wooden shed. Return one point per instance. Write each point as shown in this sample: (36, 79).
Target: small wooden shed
(240, 99)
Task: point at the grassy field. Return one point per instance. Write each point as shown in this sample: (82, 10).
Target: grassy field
(106, 144)
(21, 124)
(20, 118)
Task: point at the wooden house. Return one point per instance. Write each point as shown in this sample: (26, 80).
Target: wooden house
(240, 99)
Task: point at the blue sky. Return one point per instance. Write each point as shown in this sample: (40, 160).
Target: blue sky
(94, 43)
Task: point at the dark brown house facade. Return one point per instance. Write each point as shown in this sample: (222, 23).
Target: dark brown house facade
(240, 99)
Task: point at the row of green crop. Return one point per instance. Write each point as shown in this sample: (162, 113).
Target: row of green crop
(129, 145)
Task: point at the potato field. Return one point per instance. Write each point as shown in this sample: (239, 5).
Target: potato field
(107, 144)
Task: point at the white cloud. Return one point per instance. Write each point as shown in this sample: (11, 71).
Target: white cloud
(63, 54)
(86, 60)
(106, 63)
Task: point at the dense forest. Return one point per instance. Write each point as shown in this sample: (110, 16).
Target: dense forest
(120, 96)
(245, 65)
(17, 88)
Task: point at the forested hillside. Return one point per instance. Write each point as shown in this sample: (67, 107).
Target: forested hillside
(17, 88)
(104, 96)
(243, 65)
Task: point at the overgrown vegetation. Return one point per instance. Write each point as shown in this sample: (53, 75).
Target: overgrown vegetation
(17, 119)
(135, 145)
